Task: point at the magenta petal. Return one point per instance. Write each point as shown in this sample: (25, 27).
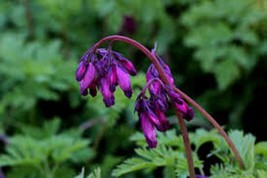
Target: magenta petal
(83, 89)
(155, 88)
(185, 110)
(109, 101)
(189, 114)
(168, 73)
(181, 107)
(112, 76)
(89, 76)
(175, 97)
(124, 82)
(149, 131)
(154, 119)
(161, 105)
(108, 96)
(81, 71)
(125, 63)
(164, 123)
(128, 66)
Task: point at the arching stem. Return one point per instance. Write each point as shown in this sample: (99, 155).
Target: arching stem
(186, 97)
(215, 124)
(164, 78)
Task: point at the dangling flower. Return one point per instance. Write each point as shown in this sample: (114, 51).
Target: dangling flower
(108, 96)
(88, 78)
(112, 78)
(81, 71)
(180, 105)
(149, 131)
(147, 119)
(152, 111)
(125, 63)
(104, 69)
(123, 79)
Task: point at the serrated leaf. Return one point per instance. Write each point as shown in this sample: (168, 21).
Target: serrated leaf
(202, 136)
(131, 165)
(245, 146)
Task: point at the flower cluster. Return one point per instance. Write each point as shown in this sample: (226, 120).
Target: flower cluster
(151, 111)
(104, 69)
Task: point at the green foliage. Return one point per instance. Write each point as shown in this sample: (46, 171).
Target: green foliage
(45, 151)
(170, 155)
(30, 72)
(225, 37)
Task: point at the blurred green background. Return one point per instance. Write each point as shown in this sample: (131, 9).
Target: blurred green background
(216, 49)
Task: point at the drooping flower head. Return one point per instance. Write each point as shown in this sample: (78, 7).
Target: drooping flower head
(151, 111)
(179, 104)
(104, 69)
(147, 117)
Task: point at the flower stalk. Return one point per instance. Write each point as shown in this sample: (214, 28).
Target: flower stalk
(181, 108)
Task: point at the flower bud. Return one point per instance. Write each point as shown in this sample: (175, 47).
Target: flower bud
(81, 71)
(108, 96)
(164, 123)
(124, 82)
(112, 78)
(148, 130)
(125, 63)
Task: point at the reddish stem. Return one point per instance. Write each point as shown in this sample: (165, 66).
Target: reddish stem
(188, 150)
(215, 124)
(186, 97)
(164, 78)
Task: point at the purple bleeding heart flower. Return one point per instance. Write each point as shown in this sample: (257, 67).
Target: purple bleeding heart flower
(153, 73)
(83, 89)
(180, 105)
(124, 82)
(155, 88)
(150, 113)
(146, 116)
(108, 96)
(81, 71)
(148, 130)
(112, 78)
(154, 108)
(88, 78)
(164, 123)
